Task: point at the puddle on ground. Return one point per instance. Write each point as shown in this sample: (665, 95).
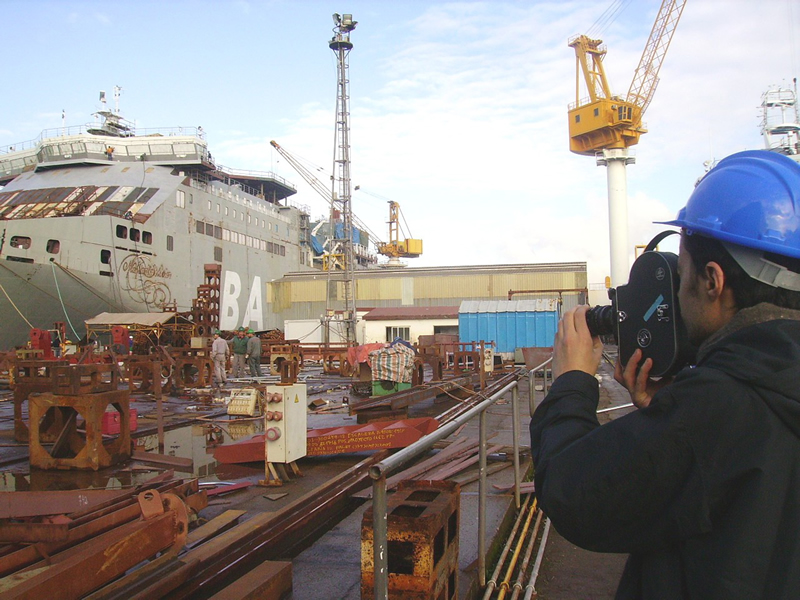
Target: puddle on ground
(195, 441)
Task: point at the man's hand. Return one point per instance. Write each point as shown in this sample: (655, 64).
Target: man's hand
(575, 349)
(638, 383)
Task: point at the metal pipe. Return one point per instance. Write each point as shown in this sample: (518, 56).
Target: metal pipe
(482, 501)
(523, 568)
(379, 539)
(531, 587)
(515, 555)
(492, 583)
(515, 429)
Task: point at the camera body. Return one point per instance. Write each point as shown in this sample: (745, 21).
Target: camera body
(644, 314)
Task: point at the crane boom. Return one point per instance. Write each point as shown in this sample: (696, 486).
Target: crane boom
(301, 169)
(645, 78)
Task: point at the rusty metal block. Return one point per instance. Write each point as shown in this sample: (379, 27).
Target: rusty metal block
(144, 373)
(75, 380)
(193, 372)
(71, 450)
(423, 524)
(34, 376)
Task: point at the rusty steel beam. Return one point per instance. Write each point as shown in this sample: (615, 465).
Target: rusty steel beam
(91, 523)
(76, 572)
(14, 505)
(263, 537)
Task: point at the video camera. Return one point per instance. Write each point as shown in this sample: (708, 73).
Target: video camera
(645, 314)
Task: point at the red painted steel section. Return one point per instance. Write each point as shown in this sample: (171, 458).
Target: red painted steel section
(337, 440)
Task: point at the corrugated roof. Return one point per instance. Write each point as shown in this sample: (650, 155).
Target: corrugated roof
(497, 306)
(389, 313)
(148, 319)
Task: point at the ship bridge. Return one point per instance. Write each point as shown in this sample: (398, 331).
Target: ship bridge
(74, 146)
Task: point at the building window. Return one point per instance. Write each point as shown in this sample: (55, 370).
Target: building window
(217, 207)
(122, 232)
(209, 205)
(234, 213)
(248, 219)
(21, 241)
(217, 232)
(170, 243)
(218, 253)
(180, 199)
(210, 229)
(200, 226)
(270, 247)
(283, 250)
(226, 235)
(392, 333)
(226, 211)
(147, 237)
(105, 257)
(135, 235)
(53, 246)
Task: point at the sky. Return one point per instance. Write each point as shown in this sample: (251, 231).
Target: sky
(458, 110)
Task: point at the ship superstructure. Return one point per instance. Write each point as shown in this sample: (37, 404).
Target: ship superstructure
(111, 218)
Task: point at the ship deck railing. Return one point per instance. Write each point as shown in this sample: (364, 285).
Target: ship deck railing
(60, 132)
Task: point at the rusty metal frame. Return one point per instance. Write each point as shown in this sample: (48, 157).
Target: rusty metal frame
(90, 453)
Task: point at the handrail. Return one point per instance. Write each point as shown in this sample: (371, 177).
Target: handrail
(379, 472)
(531, 383)
(57, 132)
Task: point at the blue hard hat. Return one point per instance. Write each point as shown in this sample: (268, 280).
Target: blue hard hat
(751, 199)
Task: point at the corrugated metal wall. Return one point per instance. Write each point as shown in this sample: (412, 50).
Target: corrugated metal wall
(303, 295)
(510, 324)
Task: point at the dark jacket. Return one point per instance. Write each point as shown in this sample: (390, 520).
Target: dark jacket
(239, 345)
(702, 487)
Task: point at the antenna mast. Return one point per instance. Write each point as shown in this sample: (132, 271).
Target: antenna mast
(341, 46)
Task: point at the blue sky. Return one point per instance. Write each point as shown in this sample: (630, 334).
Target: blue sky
(458, 110)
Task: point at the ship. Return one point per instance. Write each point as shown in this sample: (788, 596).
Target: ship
(108, 217)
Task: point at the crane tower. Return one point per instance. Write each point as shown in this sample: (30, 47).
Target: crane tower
(341, 193)
(605, 126)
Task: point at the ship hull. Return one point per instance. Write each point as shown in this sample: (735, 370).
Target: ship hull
(137, 256)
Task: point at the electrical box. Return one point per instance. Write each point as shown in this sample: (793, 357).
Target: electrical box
(285, 415)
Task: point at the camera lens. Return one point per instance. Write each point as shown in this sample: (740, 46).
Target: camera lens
(601, 321)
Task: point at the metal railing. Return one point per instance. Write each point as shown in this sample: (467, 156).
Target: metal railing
(379, 472)
(532, 382)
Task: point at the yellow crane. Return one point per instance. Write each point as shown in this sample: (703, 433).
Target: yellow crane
(397, 248)
(602, 120)
(605, 126)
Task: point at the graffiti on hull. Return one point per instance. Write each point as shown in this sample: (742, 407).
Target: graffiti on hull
(144, 281)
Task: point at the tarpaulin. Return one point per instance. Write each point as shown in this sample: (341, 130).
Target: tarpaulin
(360, 354)
(395, 363)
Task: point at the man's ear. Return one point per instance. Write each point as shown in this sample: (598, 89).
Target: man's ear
(714, 280)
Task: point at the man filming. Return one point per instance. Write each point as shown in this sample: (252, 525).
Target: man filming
(701, 484)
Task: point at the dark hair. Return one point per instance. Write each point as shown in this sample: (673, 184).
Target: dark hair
(746, 290)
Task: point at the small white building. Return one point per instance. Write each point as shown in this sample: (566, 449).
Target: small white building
(384, 324)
